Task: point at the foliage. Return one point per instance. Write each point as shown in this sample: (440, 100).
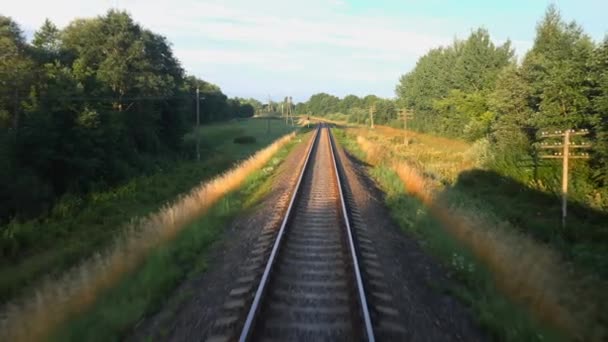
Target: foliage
(460, 242)
(78, 225)
(124, 305)
(81, 285)
(351, 108)
(244, 139)
(448, 88)
(475, 90)
(96, 103)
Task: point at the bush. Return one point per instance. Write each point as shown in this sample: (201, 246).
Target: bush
(480, 154)
(245, 139)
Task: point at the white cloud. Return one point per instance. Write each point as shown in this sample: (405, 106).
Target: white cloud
(296, 41)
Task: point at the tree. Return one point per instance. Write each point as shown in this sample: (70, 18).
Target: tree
(255, 104)
(47, 37)
(348, 103)
(465, 114)
(510, 103)
(16, 71)
(92, 104)
(600, 108)
(385, 111)
(429, 80)
(557, 68)
(322, 104)
(448, 88)
(479, 61)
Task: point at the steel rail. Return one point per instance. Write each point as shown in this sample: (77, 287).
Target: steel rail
(360, 288)
(255, 305)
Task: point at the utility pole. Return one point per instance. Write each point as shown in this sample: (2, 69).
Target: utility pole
(405, 115)
(290, 109)
(198, 124)
(268, 111)
(372, 111)
(565, 155)
(284, 110)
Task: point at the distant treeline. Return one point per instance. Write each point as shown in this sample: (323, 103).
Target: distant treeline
(351, 108)
(91, 105)
(478, 91)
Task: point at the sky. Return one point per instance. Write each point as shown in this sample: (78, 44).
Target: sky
(278, 48)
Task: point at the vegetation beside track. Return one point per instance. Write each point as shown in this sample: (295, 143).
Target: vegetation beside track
(520, 289)
(79, 231)
(143, 291)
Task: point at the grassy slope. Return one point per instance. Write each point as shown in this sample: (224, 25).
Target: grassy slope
(533, 212)
(144, 291)
(79, 226)
(503, 319)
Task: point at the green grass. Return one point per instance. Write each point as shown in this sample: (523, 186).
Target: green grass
(144, 291)
(79, 226)
(502, 319)
(220, 136)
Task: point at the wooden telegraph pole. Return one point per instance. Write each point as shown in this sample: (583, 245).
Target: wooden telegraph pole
(284, 110)
(268, 111)
(198, 124)
(288, 110)
(405, 115)
(372, 111)
(565, 155)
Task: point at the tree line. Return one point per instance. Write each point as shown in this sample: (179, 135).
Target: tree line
(351, 107)
(90, 105)
(477, 90)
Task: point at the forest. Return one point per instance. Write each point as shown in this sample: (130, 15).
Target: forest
(478, 91)
(91, 105)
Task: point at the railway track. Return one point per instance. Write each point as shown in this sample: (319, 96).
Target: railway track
(311, 288)
(309, 279)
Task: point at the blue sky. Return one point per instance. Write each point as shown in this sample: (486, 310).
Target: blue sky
(278, 47)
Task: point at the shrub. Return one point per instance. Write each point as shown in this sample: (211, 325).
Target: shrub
(245, 139)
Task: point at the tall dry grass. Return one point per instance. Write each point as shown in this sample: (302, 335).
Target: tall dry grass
(438, 157)
(56, 300)
(526, 271)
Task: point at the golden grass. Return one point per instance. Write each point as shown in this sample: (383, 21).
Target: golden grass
(438, 157)
(526, 271)
(56, 300)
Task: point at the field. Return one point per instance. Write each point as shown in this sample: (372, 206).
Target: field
(220, 137)
(77, 227)
(498, 237)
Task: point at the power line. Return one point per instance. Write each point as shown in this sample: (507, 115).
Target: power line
(110, 99)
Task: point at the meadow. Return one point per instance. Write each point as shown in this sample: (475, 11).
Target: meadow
(497, 237)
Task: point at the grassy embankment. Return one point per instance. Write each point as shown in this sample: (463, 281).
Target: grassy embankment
(102, 217)
(519, 287)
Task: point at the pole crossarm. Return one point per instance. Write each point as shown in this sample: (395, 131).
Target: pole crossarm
(561, 146)
(564, 155)
(556, 134)
(561, 157)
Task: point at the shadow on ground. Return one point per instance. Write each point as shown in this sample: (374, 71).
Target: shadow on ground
(584, 239)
